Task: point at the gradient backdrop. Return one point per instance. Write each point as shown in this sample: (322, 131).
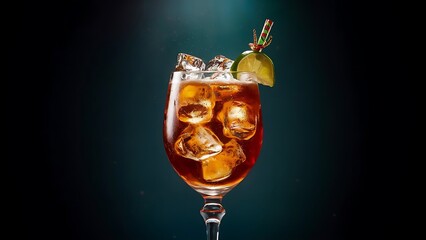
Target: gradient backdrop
(85, 99)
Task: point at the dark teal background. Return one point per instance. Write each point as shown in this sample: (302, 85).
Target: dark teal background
(86, 90)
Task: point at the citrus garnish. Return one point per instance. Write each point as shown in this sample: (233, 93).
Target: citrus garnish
(255, 61)
(258, 63)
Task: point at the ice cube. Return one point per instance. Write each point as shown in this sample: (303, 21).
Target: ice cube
(225, 92)
(196, 102)
(186, 62)
(238, 119)
(189, 63)
(219, 63)
(198, 143)
(220, 167)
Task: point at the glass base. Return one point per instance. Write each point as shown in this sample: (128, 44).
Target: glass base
(212, 191)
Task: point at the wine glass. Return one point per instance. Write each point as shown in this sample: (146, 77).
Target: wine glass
(212, 134)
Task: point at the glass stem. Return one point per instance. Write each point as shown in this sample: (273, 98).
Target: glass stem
(212, 212)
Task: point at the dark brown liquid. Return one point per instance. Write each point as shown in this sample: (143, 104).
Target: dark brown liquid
(191, 170)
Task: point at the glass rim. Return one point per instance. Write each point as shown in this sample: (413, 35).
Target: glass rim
(242, 76)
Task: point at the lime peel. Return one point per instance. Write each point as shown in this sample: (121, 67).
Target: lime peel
(258, 63)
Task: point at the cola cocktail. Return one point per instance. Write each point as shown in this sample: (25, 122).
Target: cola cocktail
(213, 129)
(213, 123)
